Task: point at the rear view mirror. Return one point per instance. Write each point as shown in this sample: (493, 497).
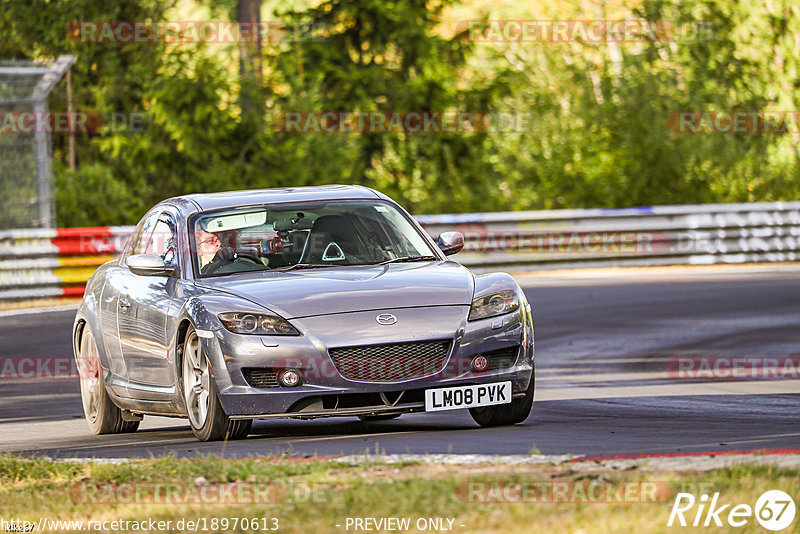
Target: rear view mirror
(149, 265)
(451, 242)
(234, 221)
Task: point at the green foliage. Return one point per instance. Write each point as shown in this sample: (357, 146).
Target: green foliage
(93, 193)
(592, 119)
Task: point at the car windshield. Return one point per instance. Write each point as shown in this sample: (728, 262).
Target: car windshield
(305, 236)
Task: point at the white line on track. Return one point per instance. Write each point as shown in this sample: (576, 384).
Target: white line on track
(749, 387)
(565, 364)
(603, 377)
(42, 433)
(750, 440)
(343, 436)
(43, 309)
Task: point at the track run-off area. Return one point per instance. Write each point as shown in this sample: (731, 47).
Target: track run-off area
(628, 362)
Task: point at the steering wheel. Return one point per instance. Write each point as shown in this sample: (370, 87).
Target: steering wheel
(213, 266)
(249, 257)
(226, 256)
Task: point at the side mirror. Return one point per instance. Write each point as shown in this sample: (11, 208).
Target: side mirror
(451, 242)
(149, 265)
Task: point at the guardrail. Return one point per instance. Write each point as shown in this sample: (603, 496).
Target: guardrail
(57, 263)
(647, 236)
(42, 263)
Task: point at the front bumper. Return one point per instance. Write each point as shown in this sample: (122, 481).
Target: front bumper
(324, 392)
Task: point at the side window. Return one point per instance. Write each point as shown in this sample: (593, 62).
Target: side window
(142, 234)
(162, 240)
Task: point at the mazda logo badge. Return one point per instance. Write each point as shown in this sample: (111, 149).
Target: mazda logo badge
(386, 319)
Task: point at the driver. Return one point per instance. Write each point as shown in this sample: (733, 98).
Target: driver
(208, 245)
(211, 252)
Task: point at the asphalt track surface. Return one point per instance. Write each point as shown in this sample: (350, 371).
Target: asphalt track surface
(604, 341)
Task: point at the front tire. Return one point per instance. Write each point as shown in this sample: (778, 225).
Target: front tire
(506, 414)
(207, 418)
(102, 415)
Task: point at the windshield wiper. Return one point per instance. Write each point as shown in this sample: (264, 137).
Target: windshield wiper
(409, 258)
(298, 266)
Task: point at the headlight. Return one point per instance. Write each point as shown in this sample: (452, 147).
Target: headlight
(256, 323)
(494, 304)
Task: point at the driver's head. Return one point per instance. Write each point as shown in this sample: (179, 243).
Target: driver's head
(207, 246)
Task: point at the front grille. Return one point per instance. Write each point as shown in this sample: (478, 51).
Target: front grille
(360, 400)
(391, 362)
(261, 378)
(502, 358)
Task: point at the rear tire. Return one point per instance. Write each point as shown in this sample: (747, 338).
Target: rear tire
(506, 414)
(207, 418)
(102, 415)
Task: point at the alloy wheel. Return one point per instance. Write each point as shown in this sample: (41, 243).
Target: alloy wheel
(90, 375)
(196, 381)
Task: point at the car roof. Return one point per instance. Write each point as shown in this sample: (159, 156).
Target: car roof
(230, 199)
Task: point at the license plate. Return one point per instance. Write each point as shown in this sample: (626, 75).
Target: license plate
(467, 396)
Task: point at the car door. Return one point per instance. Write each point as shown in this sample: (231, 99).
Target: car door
(143, 312)
(116, 279)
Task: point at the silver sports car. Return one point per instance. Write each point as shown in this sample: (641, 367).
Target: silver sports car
(297, 303)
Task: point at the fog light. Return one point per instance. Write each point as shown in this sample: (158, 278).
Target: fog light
(480, 363)
(289, 378)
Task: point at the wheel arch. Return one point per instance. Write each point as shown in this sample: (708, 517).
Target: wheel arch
(180, 340)
(87, 317)
(492, 282)
(193, 315)
(77, 335)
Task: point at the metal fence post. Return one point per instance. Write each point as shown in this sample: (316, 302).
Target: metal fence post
(44, 168)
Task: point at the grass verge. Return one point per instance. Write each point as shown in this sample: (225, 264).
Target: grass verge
(316, 495)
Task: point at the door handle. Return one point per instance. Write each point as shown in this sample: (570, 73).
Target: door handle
(124, 303)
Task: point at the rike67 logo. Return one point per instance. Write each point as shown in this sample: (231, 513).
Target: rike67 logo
(774, 510)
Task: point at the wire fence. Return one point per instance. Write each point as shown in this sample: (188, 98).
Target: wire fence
(26, 168)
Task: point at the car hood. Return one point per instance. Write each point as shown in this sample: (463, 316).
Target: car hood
(325, 291)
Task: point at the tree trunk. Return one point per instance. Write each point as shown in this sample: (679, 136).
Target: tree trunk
(248, 15)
